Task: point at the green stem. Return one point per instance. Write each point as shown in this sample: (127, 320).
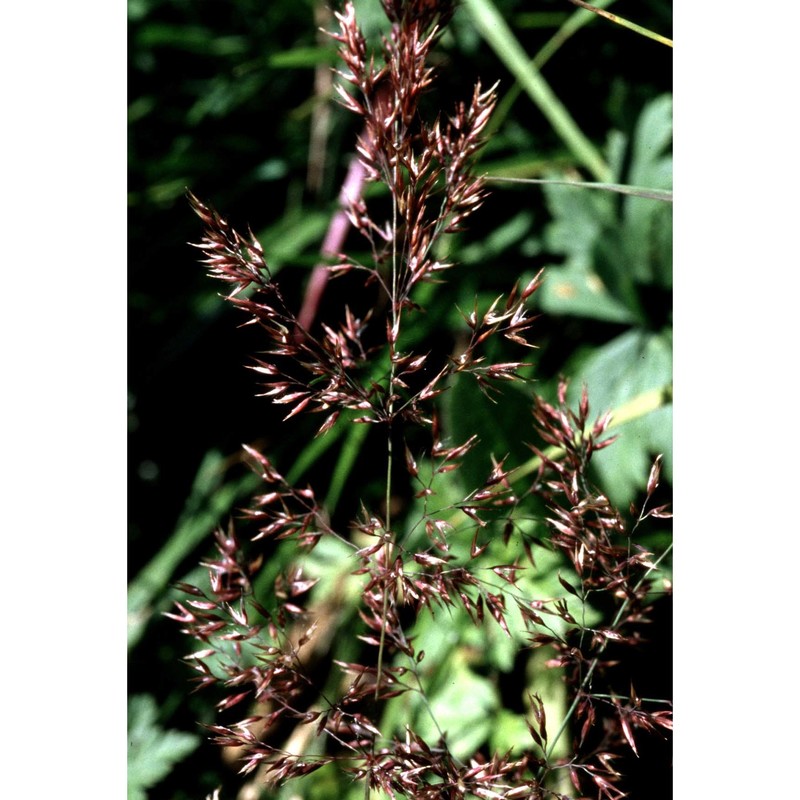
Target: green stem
(665, 195)
(396, 311)
(495, 31)
(573, 24)
(624, 23)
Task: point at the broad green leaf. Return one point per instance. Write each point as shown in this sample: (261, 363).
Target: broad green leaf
(578, 219)
(496, 422)
(647, 227)
(509, 732)
(576, 289)
(152, 751)
(652, 137)
(629, 365)
(608, 251)
(463, 709)
(287, 239)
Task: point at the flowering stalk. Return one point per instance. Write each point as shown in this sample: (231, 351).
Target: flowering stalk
(441, 553)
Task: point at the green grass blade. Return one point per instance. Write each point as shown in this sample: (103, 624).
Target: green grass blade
(344, 466)
(312, 452)
(573, 24)
(209, 500)
(496, 32)
(665, 195)
(623, 22)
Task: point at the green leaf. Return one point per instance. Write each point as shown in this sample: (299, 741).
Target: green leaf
(578, 220)
(652, 137)
(222, 94)
(610, 253)
(466, 411)
(510, 732)
(299, 57)
(664, 195)
(296, 230)
(463, 709)
(647, 228)
(190, 38)
(152, 751)
(576, 289)
(629, 365)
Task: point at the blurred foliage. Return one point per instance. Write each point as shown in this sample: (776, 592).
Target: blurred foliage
(152, 751)
(230, 100)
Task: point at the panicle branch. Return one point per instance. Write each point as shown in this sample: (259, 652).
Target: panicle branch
(428, 167)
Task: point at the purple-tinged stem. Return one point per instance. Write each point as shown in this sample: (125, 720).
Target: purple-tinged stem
(333, 243)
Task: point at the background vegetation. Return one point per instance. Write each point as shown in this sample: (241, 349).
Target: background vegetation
(234, 101)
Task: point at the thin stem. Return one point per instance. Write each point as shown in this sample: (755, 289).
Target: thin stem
(665, 195)
(659, 700)
(395, 312)
(596, 660)
(623, 22)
